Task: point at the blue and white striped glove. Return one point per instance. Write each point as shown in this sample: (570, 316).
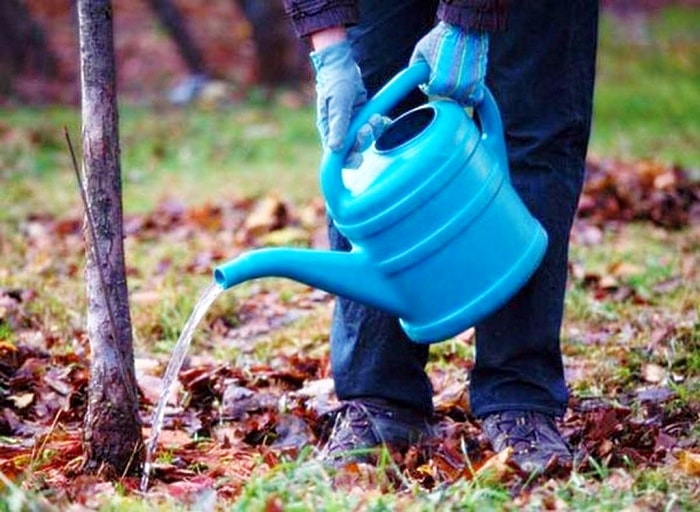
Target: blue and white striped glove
(457, 60)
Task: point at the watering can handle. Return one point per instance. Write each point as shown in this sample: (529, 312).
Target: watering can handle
(492, 134)
(384, 100)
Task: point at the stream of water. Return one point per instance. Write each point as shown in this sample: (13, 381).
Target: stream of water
(208, 296)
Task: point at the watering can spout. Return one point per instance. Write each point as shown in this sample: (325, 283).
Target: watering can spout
(348, 274)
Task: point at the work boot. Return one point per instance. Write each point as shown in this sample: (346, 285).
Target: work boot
(362, 427)
(537, 445)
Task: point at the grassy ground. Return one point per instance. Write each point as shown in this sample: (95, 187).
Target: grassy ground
(647, 105)
(647, 99)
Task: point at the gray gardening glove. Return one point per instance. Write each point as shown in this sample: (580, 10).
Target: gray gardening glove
(457, 60)
(340, 93)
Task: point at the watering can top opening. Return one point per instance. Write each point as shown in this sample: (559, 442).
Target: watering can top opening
(424, 145)
(412, 148)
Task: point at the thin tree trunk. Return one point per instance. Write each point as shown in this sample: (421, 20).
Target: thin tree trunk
(112, 437)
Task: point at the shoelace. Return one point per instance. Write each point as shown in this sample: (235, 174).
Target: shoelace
(364, 425)
(520, 432)
(357, 422)
(536, 443)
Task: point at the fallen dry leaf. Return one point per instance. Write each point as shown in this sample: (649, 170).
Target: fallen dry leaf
(653, 373)
(689, 462)
(638, 190)
(496, 469)
(22, 400)
(269, 213)
(454, 396)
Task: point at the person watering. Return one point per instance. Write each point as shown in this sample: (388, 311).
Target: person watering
(538, 59)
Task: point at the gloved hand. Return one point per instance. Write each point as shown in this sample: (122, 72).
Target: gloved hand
(368, 133)
(339, 92)
(457, 60)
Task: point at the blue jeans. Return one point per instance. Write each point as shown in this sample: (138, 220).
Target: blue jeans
(541, 71)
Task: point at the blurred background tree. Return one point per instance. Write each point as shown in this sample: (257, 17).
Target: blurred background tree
(23, 45)
(161, 45)
(281, 59)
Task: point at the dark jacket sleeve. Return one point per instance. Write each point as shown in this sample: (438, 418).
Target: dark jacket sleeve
(486, 15)
(308, 16)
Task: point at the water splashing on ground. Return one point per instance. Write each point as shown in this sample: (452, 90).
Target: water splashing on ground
(207, 298)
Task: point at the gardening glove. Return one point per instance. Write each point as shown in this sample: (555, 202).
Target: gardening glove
(457, 61)
(368, 133)
(339, 94)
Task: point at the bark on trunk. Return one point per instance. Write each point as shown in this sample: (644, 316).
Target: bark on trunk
(112, 437)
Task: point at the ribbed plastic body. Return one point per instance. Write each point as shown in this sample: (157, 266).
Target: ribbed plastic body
(433, 208)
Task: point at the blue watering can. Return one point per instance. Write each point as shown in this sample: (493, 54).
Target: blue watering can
(439, 236)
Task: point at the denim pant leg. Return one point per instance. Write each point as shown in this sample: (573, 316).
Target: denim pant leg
(541, 72)
(370, 354)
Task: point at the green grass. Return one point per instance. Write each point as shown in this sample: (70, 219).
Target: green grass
(647, 102)
(214, 155)
(190, 155)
